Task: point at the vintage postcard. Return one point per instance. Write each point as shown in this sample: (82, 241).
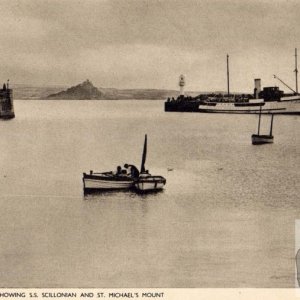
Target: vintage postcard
(149, 149)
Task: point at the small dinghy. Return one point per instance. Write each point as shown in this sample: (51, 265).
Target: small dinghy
(260, 139)
(106, 181)
(146, 181)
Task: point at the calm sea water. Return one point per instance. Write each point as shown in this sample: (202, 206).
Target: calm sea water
(225, 219)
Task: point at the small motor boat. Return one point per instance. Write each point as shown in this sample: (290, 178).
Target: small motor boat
(146, 181)
(121, 180)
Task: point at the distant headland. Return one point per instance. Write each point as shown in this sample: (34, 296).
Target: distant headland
(87, 91)
(82, 91)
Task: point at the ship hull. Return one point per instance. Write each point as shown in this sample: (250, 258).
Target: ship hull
(286, 106)
(291, 107)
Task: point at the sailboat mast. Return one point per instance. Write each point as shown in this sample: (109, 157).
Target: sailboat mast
(143, 169)
(296, 70)
(271, 128)
(228, 75)
(259, 120)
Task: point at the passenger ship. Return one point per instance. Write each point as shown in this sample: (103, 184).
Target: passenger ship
(271, 100)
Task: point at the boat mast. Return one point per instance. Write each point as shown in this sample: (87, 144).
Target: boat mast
(259, 120)
(271, 128)
(296, 71)
(144, 155)
(227, 75)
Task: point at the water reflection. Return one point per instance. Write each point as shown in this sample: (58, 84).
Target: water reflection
(97, 195)
(104, 194)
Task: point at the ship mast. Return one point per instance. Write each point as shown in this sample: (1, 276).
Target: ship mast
(296, 71)
(227, 75)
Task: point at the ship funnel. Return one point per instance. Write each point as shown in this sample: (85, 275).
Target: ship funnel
(181, 84)
(257, 88)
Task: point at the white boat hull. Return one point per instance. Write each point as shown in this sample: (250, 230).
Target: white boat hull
(94, 183)
(288, 105)
(98, 184)
(149, 186)
(150, 183)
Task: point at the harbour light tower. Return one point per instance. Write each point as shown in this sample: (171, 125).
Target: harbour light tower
(181, 85)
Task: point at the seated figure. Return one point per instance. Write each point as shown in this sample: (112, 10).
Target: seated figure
(132, 170)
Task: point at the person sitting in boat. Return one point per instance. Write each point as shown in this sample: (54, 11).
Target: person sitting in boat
(119, 170)
(132, 170)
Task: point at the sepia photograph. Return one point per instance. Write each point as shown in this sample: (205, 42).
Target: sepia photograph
(149, 144)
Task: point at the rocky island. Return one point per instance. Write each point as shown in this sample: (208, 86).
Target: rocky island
(82, 91)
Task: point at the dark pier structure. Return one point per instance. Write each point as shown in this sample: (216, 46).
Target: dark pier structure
(182, 104)
(6, 102)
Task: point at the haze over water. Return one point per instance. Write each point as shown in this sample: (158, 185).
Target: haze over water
(226, 217)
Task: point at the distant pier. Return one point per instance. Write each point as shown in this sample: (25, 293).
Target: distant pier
(6, 102)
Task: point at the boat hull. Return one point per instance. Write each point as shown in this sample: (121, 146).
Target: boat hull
(106, 183)
(150, 183)
(262, 139)
(286, 106)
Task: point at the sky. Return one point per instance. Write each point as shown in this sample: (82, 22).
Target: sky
(148, 44)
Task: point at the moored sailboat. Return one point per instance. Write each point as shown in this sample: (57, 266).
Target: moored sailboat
(121, 180)
(259, 139)
(146, 181)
